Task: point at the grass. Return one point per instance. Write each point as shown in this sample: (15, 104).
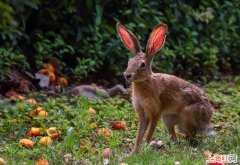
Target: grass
(71, 117)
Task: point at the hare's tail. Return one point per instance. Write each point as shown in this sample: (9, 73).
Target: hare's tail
(205, 132)
(209, 132)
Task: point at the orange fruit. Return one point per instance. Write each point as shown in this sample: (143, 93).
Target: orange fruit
(2, 161)
(11, 94)
(107, 152)
(38, 109)
(26, 143)
(92, 111)
(49, 67)
(34, 131)
(118, 125)
(81, 145)
(62, 82)
(42, 113)
(20, 97)
(104, 132)
(53, 132)
(32, 101)
(208, 154)
(45, 141)
(51, 76)
(41, 161)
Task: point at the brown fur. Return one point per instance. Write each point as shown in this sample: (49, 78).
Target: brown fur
(157, 95)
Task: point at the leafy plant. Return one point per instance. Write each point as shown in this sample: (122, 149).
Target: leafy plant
(51, 45)
(10, 59)
(202, 38)
(6, 15)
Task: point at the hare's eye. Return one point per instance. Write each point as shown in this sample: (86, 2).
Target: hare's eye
(142, 65)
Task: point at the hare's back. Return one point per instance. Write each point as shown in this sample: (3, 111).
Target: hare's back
(178, 89)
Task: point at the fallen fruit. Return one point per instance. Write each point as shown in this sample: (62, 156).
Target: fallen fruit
(20, 97)
(53, 132)
(2, 161)
(104, 132)
(42, 113)
(49, 67)
(34, 131)
(51, 76)
(38, 109)
(45, 141)
(107, 152)
(62, 82)
(41, 161)
(32, 101)
(123, 164)
(26, 143)
(118, 125)
(92, 111)
(11, 94)
(208, 154)
(81, 145)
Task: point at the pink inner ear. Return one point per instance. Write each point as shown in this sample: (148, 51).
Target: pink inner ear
(157, 39)
(126, 38)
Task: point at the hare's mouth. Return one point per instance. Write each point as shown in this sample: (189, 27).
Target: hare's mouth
(134, 77)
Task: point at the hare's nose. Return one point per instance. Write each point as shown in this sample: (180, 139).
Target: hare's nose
(127, 75)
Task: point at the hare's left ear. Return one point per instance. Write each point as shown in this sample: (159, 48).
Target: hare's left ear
(129, 39)
(156, 40)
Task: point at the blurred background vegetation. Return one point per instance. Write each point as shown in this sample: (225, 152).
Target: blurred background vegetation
(203, 37)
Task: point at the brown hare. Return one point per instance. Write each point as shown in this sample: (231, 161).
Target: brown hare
(156, 95)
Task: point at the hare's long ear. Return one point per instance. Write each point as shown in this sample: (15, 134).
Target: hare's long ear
(156, 40)
(128, 39)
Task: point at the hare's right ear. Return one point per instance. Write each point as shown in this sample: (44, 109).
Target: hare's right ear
(156, 40)
(128, 39)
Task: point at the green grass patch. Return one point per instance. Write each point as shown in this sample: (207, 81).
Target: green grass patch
(71, 117)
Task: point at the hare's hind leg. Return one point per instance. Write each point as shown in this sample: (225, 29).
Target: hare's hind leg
(186, 123)
(143, 124)
(190, 120)
(195, 118)
(170, 121)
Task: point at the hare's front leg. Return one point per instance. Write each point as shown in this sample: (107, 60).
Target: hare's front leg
(143, 124)
(152, 125)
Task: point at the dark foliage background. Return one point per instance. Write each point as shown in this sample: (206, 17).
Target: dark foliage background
(203, 36)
